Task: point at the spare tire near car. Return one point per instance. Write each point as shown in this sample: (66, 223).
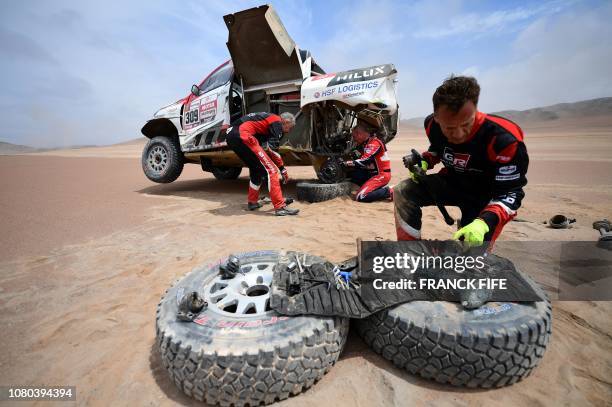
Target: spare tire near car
(495, 345)
(237, 351)
(314, 191)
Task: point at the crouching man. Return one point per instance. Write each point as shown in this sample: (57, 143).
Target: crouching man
(373, 169)
(485, 166)
(255, 139)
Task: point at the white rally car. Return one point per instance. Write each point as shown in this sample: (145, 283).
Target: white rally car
(269, 73)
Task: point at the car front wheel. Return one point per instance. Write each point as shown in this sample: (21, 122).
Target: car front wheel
(162, 160)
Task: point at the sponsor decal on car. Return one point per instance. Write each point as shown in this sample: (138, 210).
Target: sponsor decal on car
(208, 111)
(317, 95)
(191, 117)
(361, 75)
(319, 77)
(200, 111)
(357, 86)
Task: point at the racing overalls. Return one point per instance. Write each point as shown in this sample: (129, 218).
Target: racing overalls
(484, 176)
(254, 138)
(372, 172)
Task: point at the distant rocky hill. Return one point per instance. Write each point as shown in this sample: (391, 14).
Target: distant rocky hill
(575, 110)
(9, 149)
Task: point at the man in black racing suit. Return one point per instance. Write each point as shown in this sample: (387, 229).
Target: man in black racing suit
(485, 165)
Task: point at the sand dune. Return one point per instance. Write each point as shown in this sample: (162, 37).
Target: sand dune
(89, 246)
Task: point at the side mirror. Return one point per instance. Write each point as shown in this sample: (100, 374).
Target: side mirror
(195, 91)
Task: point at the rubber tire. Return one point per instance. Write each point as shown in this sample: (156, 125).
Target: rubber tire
(318, 192)
(236, 365)
(226, 173)
(443, 342)
(175, 160)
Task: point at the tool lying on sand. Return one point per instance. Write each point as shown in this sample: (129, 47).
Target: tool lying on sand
(431, 189)
(603, 226)
(560, 222)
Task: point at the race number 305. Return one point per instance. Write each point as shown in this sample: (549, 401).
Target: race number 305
(33, 393)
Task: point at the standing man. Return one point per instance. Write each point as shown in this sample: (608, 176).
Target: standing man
(255, 138)
(373, 169)
(485, 166)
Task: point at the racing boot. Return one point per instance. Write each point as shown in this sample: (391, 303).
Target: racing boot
(267, 200)
(254, 206)
(284, 211)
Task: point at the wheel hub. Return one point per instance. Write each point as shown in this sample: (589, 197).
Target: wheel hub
(158, 159)
(331, 171)
(245, 295)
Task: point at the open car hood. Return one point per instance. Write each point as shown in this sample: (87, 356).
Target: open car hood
(372, 87)
(262, 51)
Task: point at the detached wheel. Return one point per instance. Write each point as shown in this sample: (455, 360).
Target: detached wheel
(318, 192)
(495, 345)
(226, 173)
(162, 160)
(237, 351)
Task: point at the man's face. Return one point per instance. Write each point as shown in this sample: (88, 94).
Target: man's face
(287, 126)
(359, 136)
(456, 127)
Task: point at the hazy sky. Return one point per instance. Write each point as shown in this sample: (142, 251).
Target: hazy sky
(85, 72)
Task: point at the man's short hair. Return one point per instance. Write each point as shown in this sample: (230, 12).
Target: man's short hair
(288, 117)
(455, 91)
(361, 128)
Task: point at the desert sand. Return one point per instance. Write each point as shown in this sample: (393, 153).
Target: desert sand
(89, 245)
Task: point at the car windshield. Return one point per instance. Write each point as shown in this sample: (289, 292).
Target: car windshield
(222, 76)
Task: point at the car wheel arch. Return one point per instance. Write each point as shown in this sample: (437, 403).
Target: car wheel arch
(160, 128)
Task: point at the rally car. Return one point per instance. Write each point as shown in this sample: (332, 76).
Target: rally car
(269, 73)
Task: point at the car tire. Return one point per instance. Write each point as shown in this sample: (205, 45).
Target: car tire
(319, 192)
(495, 345)
(231, 356)
(226, 173)
(162, 160)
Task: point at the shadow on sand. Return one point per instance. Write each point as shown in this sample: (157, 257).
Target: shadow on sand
(230, 194)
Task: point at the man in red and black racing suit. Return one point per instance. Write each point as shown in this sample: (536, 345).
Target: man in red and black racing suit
(255, 138)
(485, 165)
(373, 169)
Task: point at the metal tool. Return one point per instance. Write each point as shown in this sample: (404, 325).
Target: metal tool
(603, 226)
(420, 173)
